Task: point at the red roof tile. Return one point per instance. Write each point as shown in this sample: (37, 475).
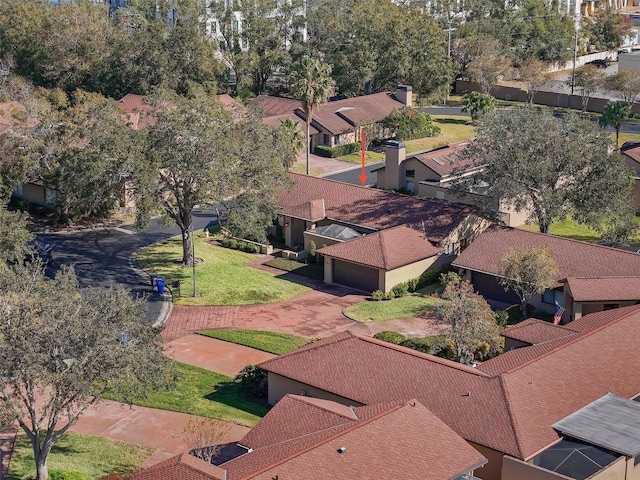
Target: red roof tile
(300, 438)
(604, 289)
(444, 161)
(574, 258)
(313, 210)
(536, 331)
(373, 208)
(137, 111)
(388, 249)
(180, 467)
(508, 403)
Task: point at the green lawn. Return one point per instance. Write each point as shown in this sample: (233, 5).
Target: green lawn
(369, 157)
(300, 168)
(570, 229)
(207, 394)
(221, 279)
(272, 342)
(453, 129)
(625, 137)
(308, 270)
(411, 305)
(93, 456)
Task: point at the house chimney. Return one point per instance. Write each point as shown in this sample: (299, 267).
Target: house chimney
(404, 95)
(394, 155)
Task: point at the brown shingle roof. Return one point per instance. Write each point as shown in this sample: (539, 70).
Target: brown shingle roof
(633, 153)
(394, 441)
(373, 208)
(444, 161)
(510, 406)
(274, 105)
(342, 115)
(275, 121)
(136, 110)
(574, 258)
(604, 289)
(313, 210)
(536, 331)
(180, 467)
(386, 250)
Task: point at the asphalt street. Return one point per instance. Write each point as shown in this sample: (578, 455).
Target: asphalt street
(103, 257)
(352, 175)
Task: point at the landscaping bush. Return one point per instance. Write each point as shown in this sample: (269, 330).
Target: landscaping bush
(252, 381)
(378, 295)
(311, 252)
(400, 290)
(66, 475)
(439, 345)
(423, 345)
(389, 295)
(337, 151)
(412, 284)
(391, 337)
(407, 123)
(234, 244)
(431, 276)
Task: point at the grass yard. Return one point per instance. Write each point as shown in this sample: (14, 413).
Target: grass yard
(411, 305)
(570, 229)
(308, 270)
(302, 168)
(369, 157)
(207, 394)
(223, 278)
(271, 342)
(91, 455)
(453, 129)
(625, 137)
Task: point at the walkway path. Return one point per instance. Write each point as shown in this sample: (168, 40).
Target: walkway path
(7, 437)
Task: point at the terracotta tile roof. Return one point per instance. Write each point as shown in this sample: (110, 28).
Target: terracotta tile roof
(180, 467)
(386, 250)
(536, 331)
(604, 289)
(508, 403)
(313, 210)
(444, 161)
(274, 105)
(136, 111)
(574, 258)
(341, 116)
(373, 208)
(384, 441)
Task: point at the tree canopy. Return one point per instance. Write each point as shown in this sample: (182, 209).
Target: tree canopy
(62, 351)
(550, 166)
(528, 272)
(607, 29)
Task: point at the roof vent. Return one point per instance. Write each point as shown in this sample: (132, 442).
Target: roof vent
(341, 450)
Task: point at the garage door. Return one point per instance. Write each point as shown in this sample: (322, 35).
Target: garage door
(355, 276)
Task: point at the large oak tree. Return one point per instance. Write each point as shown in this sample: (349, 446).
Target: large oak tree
(551, 166)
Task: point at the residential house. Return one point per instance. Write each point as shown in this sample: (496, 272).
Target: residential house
(440, 174)
(372, 239)
(590, 278)
(338, 121)
(311, 438)
(515, 409)
(631, 153)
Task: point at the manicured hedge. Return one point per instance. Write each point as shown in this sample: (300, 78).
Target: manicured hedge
(337, 151)
(239, 245)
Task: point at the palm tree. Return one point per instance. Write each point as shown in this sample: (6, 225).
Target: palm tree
(614, 114)
(312, 84)
(290, 130)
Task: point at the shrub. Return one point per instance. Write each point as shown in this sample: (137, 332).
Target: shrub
(311, 252)
(502, 317)
(424, 344)
(412, 284)
(234, 244)
(252, 380)
(400, 290)
(407, 123)
(391, 337)
(337, 151)
(66, 475)
(389, 295)
(377, 295)
(431, 276)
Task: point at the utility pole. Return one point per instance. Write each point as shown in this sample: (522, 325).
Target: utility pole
(575, 59)
(448, 30)
(193, 260)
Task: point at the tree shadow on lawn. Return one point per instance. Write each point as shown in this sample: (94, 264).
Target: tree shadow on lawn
(230, 394)
(453, 121)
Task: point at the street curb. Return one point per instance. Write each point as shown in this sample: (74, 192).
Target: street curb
(167, 299)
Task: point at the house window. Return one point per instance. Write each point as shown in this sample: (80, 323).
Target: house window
(336, 139)
(552, 296)
(410, 187)
(448, 249)
(410, 173)
(325, 139)
(636, 461)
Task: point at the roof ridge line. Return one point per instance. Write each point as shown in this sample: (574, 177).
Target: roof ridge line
(297, 398)
(424, 356)
(355, 424)
(512, 419)
(571, 341)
